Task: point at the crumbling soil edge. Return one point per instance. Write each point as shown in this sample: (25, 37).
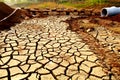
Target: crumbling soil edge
(110, 61)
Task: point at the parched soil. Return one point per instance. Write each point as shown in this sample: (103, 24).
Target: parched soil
(86, 27)
(61, 47)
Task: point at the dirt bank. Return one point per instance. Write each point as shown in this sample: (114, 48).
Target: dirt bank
(83, 26)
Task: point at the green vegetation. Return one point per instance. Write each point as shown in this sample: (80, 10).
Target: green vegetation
(64, 3)
(94, 2)
(75, 5)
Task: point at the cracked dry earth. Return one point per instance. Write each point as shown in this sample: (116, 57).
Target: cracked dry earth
(43, 49)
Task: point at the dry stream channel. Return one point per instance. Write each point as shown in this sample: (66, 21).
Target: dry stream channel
(48, 49)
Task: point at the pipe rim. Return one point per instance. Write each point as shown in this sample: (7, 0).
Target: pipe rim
(104, 12)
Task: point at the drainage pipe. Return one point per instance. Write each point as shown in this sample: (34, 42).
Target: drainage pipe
(110, 11)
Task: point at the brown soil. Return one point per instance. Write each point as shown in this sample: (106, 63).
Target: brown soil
(111, 61)
(113, 18)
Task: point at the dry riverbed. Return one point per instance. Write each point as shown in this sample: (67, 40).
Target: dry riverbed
(57, 48)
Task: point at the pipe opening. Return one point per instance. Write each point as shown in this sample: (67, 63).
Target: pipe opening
(104, 12)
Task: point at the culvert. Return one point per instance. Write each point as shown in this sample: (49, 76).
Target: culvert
(110, 11)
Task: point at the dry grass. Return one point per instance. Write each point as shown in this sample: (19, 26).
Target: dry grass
(88, 25)
(50, 5)
(115, 29)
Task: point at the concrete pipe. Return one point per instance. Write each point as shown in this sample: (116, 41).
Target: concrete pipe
(110, 11)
